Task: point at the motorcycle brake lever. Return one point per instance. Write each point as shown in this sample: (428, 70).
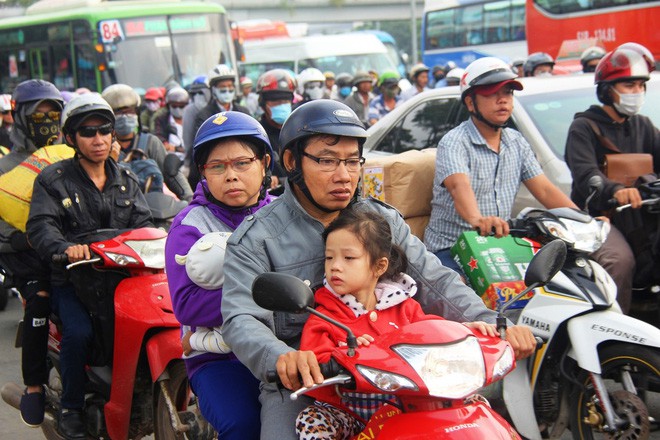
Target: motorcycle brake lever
(341, 379)
(83, 262)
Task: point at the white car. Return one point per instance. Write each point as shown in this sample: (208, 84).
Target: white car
(542, 112)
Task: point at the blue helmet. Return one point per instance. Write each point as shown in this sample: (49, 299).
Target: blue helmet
(34, 91)
(230, 124)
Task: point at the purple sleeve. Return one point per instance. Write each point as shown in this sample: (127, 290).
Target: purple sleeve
(193, 305)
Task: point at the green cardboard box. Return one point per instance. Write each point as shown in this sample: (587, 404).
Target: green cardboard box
(494, 267)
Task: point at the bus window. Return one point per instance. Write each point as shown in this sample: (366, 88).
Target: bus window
(469, 24)
(62, 69)
(440, 29)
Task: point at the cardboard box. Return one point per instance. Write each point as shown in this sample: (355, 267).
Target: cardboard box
(404, 181)
(494, 267)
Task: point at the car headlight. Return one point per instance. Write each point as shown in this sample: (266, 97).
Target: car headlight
(152, 252)
(585, 237)
(453, 371)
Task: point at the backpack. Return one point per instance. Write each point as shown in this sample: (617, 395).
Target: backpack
(147, 171)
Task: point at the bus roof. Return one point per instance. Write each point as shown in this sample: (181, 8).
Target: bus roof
(48, 11)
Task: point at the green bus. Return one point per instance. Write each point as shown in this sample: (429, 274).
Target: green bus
(96, 43)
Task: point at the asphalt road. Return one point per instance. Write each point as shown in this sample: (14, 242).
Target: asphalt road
(11, 426)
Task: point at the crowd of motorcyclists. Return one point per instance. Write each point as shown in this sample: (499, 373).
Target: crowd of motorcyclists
(301, 137)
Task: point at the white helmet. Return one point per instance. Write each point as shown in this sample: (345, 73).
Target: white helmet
(454, 76)
(120, 96)
(82, 107)
(309, 75)
(5, 103)
(177, 94)
(219, 73)
(486, 71)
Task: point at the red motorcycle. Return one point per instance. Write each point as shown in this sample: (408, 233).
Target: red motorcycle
(139, 386)
(434, 368)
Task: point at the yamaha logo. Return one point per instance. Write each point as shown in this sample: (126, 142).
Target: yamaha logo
(343, 113)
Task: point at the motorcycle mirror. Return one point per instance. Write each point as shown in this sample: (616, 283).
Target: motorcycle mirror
(282, 292)
(595, 184)
(546, 263)
(171, 165)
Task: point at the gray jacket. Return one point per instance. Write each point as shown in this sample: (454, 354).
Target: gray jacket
(282, 237)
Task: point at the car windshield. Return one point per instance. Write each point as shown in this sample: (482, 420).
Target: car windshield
(552, 112)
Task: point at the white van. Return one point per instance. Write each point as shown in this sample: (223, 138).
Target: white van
(339, 53)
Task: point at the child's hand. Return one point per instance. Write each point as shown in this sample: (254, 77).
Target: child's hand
(365, 339)
(485, 328)
(185, 342)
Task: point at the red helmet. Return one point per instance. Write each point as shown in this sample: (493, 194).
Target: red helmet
(276, 80)
(623, 63)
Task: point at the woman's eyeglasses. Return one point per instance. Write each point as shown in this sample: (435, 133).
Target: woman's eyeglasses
(218, 167)
(89, 131)
(352, 164)
(39, 117)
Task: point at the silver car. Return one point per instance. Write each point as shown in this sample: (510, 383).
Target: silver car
(542, 112)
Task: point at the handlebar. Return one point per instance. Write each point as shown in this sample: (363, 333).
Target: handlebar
(328, 369)
(644, 202)
(62, 259)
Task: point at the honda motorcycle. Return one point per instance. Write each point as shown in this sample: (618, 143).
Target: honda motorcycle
(137, 383)
(435, 368)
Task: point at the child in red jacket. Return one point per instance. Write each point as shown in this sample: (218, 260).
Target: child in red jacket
(366, 289)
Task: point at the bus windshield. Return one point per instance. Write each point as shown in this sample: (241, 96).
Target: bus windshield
(141, 53)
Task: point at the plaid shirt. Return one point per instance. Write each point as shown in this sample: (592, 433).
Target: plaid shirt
(377, 107)
(494, 178)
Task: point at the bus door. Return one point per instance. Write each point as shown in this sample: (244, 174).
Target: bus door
(38, 59)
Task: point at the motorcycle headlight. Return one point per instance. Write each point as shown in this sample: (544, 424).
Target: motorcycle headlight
(585, 237)
(152, 252)
(452, 371)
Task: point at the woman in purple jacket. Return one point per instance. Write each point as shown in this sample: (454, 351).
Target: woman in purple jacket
(234, 158)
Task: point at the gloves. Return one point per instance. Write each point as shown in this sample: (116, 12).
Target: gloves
(19, 241)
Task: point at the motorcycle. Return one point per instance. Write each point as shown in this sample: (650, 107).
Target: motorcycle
(140, 386)
(598, 370)
(434, 368)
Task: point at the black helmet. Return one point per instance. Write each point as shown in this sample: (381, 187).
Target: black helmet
(321, 116)
(32, 92)
(537, 59)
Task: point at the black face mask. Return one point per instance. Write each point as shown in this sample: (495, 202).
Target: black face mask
(44, 133)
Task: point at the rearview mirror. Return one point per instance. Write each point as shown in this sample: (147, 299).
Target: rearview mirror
(546, 263)
(282, 292)
(171, 165)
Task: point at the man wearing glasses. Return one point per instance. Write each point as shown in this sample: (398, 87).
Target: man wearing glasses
(72, 200)
(37, 109)
(322, 155)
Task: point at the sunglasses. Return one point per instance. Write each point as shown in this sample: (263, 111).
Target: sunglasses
(39, 117)
(90, 131)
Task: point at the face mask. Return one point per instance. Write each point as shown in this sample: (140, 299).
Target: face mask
(629, 103)
(391, 93)
(543, 74)
(43, 133)
(345, 91)
(176, 112)
(279, 113)
(224, 96)
(199, 101)
(125, 125)
(315, 93)
(152, 106)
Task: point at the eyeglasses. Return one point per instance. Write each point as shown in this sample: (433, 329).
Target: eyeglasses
(178, 105)
(332, 163)
(218, 167)
(89, 131)
(39, 117)
(225, 90)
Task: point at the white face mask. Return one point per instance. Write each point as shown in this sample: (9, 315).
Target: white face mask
(152, 106)
(314, 93)
(224, 96)
(176, 112)
(629, 103)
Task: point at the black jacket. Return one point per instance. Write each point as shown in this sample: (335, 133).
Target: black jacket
(68, 209)
(585, 155)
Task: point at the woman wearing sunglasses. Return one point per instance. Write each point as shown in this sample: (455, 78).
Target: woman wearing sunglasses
(72, 200)
(234, 158)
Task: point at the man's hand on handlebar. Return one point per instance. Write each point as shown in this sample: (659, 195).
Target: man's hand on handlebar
(78, 252)
(522, 341)
(296, 365)
(492, 225)
(630, 196)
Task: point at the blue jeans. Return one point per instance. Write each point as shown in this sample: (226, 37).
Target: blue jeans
(444, 255)
(228, 396)
(76, 342)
